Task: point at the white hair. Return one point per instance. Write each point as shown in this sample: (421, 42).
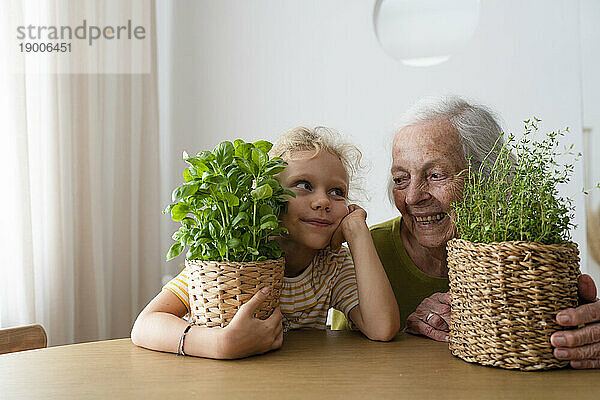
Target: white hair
(477, 126)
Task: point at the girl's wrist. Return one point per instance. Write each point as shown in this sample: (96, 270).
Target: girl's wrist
(355, 228)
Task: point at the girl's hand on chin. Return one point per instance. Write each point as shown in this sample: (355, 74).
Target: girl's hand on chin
(356, 218)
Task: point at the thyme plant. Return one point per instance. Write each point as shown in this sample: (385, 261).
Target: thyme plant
(518, 199)
(229, 204)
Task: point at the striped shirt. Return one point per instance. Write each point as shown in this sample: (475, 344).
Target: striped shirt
(328, 281)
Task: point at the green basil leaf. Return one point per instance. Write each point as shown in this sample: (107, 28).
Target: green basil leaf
(179, 211)
(188, 222)
(246, 166)
(205, 156)
(231, 199)
(263, 145)
(234, 243)
(215, 228)
(269, 225)
(185, 190)
(222, 247)
(264, 209)
(217, 179)
(194, 253)
(259, 157)
(274, 170)
(224, 153)
(242, 217)
(262, 192)
(174, 251)
(271, 182)
(244, 151)
(187, 175)
(289, 193)
(268, 217)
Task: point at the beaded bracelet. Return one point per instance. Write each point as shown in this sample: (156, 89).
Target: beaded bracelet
(182, 340)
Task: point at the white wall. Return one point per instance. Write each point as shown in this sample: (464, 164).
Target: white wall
(254, 69)
(590, 55)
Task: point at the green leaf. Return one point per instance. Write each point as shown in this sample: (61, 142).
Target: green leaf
(194, 253)
(205, 156)
(246, 237)
(262, 192)
(179, 211)
(217, 179)
(271, 182)
(174, 251)
(274, 170)
(231, 199)
(203, 240)
(259, 157)
(198, 164)
(185, 190)
(187, 176)
(215, 228)
(246, 166)
(222, 247)
(234, 243)
(269, 225)
(244, 151)
(268, 217)
(242, 217)
(188, 222)
(289, 193)
(224, 153)
(237, 142)
(263, 145)
(265, 210)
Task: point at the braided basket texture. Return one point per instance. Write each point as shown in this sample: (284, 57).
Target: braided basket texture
(504, 300)
(217, 290)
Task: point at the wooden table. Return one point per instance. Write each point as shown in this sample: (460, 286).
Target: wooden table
(310, 365)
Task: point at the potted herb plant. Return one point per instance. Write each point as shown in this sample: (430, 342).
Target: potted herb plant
(513, 267)
(228, 208)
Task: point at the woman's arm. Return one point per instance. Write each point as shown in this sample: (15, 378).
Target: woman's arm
(160, 326)
(377, 314)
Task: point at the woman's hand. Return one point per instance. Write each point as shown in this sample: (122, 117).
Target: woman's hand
(246, 335)
(431, 318)
(580, 346)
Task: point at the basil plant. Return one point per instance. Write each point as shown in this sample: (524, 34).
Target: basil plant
(229, 204)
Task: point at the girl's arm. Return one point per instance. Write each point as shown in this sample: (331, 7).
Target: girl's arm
(160, 326)
(377, 314)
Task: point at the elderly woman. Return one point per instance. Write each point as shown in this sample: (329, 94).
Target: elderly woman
(431, 148)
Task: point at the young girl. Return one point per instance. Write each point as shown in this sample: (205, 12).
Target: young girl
(319, 274)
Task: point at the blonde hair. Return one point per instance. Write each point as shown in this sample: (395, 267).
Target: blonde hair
(301, 139)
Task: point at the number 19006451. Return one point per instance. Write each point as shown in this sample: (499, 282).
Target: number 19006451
(45, 47)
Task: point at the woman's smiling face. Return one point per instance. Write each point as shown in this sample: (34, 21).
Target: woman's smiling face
(426, 159)
(321, 186)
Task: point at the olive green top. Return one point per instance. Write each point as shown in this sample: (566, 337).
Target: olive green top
(410, 284)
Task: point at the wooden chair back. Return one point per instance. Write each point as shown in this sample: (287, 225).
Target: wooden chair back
(22, 338)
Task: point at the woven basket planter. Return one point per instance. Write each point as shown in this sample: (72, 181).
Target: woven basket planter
(504, 300)
(218, 289)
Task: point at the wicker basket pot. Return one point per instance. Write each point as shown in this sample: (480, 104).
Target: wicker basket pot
(218, 289)
(504, 300)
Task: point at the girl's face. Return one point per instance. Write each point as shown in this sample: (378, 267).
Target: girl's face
(321, 187)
